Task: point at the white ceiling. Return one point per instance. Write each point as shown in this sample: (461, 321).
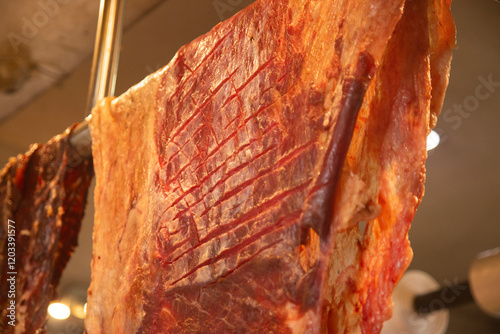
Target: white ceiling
(42, 41)
(459, 216)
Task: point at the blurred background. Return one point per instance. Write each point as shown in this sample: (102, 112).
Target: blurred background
(45, 59)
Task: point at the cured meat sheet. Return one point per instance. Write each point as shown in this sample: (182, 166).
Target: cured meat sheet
(230, 184)
(42, 199)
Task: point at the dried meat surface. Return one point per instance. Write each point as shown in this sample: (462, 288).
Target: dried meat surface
(230, 183)
(42, 197)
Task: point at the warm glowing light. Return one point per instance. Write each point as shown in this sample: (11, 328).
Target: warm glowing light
(432, 140)
(59, 311)
(79, 310)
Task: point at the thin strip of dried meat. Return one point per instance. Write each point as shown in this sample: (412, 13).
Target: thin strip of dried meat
(43, 195)
(385, 166)
(231, 182)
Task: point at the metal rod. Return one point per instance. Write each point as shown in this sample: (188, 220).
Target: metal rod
(81, 142)
(444, 298)
(106, 51)
(104, 67)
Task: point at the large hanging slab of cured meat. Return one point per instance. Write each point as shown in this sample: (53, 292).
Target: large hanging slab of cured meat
(230, 184)
(42, 201)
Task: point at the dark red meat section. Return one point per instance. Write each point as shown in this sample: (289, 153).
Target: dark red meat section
(45, 196)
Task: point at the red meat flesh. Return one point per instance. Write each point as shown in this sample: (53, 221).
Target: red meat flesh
(43, 193)
(230, 183)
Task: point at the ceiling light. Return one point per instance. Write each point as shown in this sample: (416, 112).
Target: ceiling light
(432, 140)
(79, 310)
(59, 311)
